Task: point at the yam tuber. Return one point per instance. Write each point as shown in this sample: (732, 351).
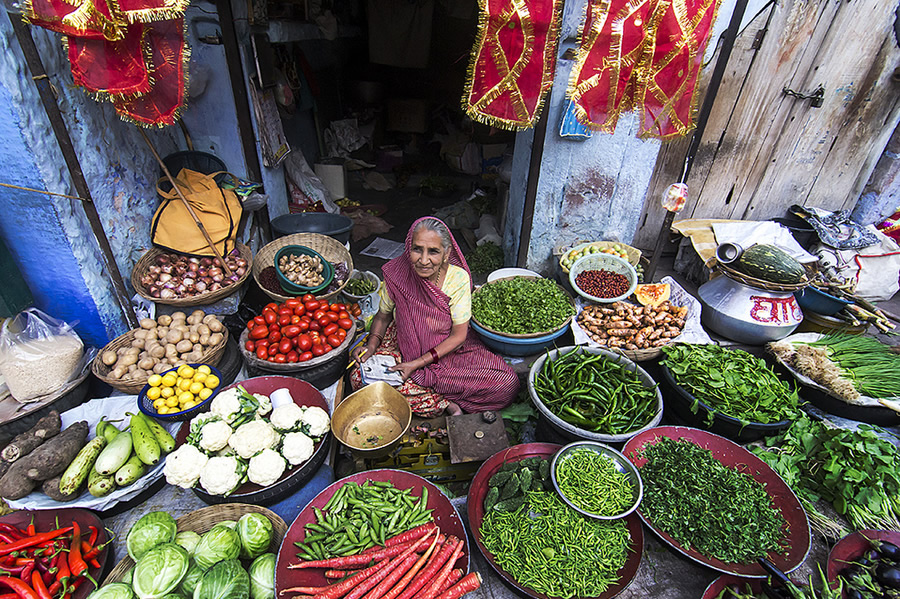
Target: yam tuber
(54, 456)
(25, 443)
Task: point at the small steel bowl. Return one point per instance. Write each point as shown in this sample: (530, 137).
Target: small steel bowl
(621, 463)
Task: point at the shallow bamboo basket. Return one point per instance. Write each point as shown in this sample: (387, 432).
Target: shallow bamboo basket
(329, 248)
(143, 265)
(211, 356)
(200, 521)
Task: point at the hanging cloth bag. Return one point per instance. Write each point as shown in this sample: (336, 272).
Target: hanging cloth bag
(173, 228)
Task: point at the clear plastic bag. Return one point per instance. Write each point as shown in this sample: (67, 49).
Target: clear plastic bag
(38, 354)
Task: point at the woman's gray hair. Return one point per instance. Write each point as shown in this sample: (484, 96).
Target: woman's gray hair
(436, 226)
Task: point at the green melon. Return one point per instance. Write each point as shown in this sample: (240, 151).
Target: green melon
(772, 264)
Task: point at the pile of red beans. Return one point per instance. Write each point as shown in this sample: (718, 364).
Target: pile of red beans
(602, 283)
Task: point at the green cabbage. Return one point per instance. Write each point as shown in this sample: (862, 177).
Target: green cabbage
(220, 543)
(189, 540)
(262, 577)
(151, 530)
(226, 580)
(232, 524)
(160, 571)
(115, 590)
(255, 531)
(190, 580)
(174, 596)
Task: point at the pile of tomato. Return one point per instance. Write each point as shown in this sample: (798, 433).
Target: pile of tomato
(298, 330)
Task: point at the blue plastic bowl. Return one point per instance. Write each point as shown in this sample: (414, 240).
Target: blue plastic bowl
(292, 288)
(517, 346)
(819, 302)
(146, 406)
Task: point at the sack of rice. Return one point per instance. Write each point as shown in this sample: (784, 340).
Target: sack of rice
(38, 354)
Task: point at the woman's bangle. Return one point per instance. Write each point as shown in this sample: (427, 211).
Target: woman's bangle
(379, 337)
(434, 355)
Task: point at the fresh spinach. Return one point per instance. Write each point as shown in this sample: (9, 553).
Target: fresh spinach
(521, 306)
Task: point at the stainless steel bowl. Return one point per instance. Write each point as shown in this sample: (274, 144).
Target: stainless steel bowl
(621, 463)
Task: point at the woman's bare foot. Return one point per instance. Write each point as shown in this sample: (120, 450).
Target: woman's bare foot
(453, 410)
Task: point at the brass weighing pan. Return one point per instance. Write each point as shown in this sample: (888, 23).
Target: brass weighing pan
(372, 421)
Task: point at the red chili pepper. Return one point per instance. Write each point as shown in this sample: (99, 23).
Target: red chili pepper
(37, 583)
(8, 596)
(11, 530)
(26, 573)
(62, 571)
(94, 534)
(30, 530)
(24, 561)
(34, 540)
(22, 589)
(77, 564)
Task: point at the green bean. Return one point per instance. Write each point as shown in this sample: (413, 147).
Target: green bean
(592, 482)
(551, 549)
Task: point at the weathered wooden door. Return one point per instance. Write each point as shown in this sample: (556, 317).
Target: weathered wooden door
(764, 150)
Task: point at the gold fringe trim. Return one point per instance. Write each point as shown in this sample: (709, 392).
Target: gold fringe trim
(84, 15)
(107, 96)
(475, 109)
(173, 9)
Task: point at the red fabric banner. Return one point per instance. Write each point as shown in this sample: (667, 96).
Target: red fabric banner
(511, 68)
(107, 68)
(642, 55)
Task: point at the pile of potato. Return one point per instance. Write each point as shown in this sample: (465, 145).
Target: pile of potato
(165, 343)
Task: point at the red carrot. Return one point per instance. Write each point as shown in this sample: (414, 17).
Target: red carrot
(395, 564)
(411, 535)
(468, 584)
(359, 559)
(391, 579)
(432, 590)
(452, 579)
(336, 573)
(346, 584)
(392, 594)
(427, 573)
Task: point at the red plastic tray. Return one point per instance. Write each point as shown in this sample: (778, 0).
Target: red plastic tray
(479, 488)
(444, 514)
(733, 455)
(853, 546)
(727, 580)
(47, 520)
(304, 394)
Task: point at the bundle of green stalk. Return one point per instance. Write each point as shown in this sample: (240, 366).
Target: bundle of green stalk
(595, 393)
(706, 506)
(848, 365)
(858, 472)
(521, 306)
(731, 382)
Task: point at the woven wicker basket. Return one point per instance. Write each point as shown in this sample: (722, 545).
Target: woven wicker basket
(148, 259)
(254, 362)
(634, 254)
(330, 249)
(759, 283)
(202, 520)
(211, 356)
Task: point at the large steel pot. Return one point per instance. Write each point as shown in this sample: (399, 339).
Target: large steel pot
(748, 314)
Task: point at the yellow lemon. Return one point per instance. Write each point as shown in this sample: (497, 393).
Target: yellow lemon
(166, 392)
(185, 397)
(155, 380)
(189, 405)
(205, 393)
(159, 404)
(196, 388)
(169, 380)
(200, 377)
(204, 369)
(186, 371)
(212, 381)
(185, 384)
(171, 402)
(153, 393)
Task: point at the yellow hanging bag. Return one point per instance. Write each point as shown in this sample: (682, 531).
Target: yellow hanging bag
(173, 228)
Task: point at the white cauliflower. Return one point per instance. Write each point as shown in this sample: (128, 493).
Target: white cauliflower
(251, 438)
(297, 448)
(266, 467)
(222, 475)
(227, 405)
(200, 419)
(286, 417)
(265, 404)
(184, 466)
(317, 420)
(214, 435)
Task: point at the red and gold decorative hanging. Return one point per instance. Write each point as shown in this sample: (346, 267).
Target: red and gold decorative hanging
(132, 53)
(511, 68)
(642, 55)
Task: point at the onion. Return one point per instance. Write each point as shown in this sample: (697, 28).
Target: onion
(188, 283)
(207, 280)
(167, 269)
(164, 277)
(202, 272)
(167, 294)
(154, 290)
(164, 259)
(215, 286)
(169, 285)
(217, 262)
(193, 267)
(240, 271)
(154, 270)
(193, 260)
(206, 262)
(200, 286)
(148, 280)
(216, 274)
(180, 289)
(241, 263)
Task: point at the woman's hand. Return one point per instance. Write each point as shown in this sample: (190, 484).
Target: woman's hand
(362, 353)
(405, 369)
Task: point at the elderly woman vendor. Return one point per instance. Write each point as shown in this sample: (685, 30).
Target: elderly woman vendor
(423, 321)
